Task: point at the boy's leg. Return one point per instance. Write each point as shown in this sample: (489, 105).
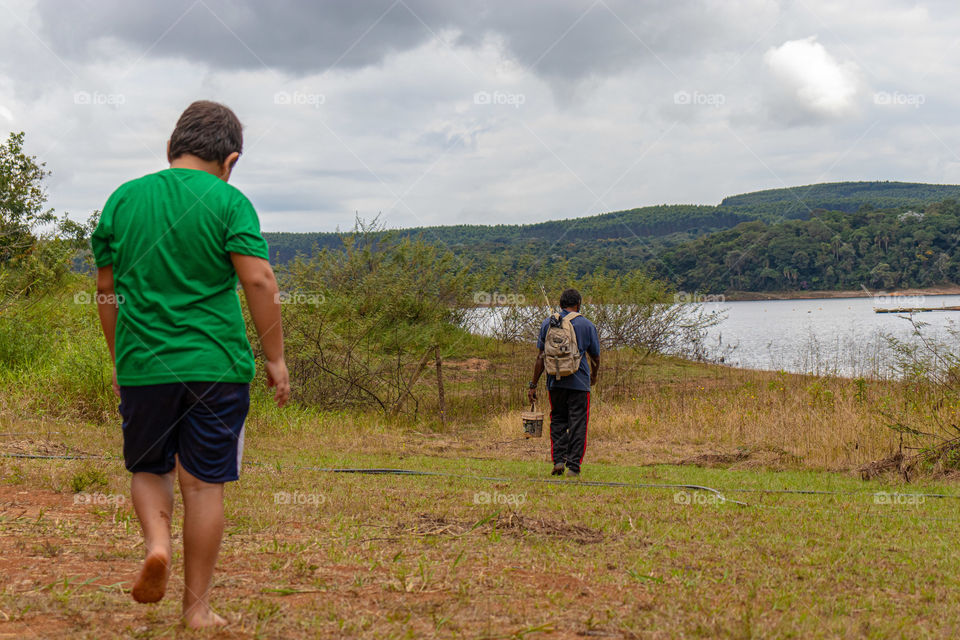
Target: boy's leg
(579, 412)
(202, 533)
(153, 503)
(150, 423)
(210, 447)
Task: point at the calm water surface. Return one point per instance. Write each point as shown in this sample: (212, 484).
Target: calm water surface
(837, 335)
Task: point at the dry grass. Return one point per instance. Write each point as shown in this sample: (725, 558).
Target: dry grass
(397, 557)
(401, 557)
(644, 411)
(787, 420)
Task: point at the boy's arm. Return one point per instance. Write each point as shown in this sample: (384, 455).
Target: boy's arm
(260, 288)
(107, 310)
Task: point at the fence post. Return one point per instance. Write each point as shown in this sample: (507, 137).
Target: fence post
(440, 395)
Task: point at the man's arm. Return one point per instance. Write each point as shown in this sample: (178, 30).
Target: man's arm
(108, 311)
(537, 372)
(593, 350)
(260, 288)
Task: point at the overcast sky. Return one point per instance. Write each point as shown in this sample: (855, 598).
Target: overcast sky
(484, 112)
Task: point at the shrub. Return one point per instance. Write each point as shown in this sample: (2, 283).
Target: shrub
(358, 321)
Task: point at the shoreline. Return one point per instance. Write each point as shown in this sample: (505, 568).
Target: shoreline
(752, 296)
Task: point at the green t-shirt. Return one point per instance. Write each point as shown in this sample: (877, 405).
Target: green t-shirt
(169, 236)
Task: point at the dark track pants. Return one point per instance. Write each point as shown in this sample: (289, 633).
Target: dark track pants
(569, 415)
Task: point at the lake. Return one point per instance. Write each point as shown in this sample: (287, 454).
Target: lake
(823, 336)
(842, 336)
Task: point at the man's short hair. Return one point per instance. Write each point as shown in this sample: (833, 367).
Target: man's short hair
(208, 130)
(569, 298)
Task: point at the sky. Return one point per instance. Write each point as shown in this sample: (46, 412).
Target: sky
(438, 112)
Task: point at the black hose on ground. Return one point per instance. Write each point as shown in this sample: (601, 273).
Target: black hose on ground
(588, 483)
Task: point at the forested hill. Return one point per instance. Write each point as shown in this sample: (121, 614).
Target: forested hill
(879, 249)
(477, 241)
(798, 202)
(766, 240)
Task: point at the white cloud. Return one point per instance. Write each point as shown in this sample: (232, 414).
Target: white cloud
(399, 129)
(813, 81)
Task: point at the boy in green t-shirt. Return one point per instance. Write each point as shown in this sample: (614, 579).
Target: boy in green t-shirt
(170, 248)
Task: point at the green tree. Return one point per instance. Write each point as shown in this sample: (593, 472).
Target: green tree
(36, 249)
(22, 199)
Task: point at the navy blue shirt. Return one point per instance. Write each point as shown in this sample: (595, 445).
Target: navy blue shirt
(587, 341)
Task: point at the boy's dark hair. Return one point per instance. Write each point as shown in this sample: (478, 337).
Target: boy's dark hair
(208, 130)
(569, 298)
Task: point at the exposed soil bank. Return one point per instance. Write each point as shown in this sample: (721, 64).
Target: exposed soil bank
(947, 289)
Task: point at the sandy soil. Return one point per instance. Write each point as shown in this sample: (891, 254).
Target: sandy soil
(854, 293)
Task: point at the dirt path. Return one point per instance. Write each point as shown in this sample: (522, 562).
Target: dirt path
(67, 569)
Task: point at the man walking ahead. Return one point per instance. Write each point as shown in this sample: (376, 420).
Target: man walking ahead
(564, 339)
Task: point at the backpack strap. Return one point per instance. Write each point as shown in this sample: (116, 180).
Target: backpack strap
(571, 315)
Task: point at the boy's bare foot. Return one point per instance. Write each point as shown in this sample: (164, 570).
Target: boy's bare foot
(152, 583)
(201, 616)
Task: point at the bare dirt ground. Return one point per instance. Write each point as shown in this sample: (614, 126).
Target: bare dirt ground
(70, 567)
(457, 557)
(466, 556)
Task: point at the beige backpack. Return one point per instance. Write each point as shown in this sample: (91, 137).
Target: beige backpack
(560, 350)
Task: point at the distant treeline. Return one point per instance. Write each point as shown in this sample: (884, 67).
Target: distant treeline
(831, 250)
(823, 236)
(588, 237)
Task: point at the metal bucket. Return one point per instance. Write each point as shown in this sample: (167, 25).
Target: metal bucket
(532, 423)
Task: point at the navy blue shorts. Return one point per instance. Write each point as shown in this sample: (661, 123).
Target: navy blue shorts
(201, 422)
